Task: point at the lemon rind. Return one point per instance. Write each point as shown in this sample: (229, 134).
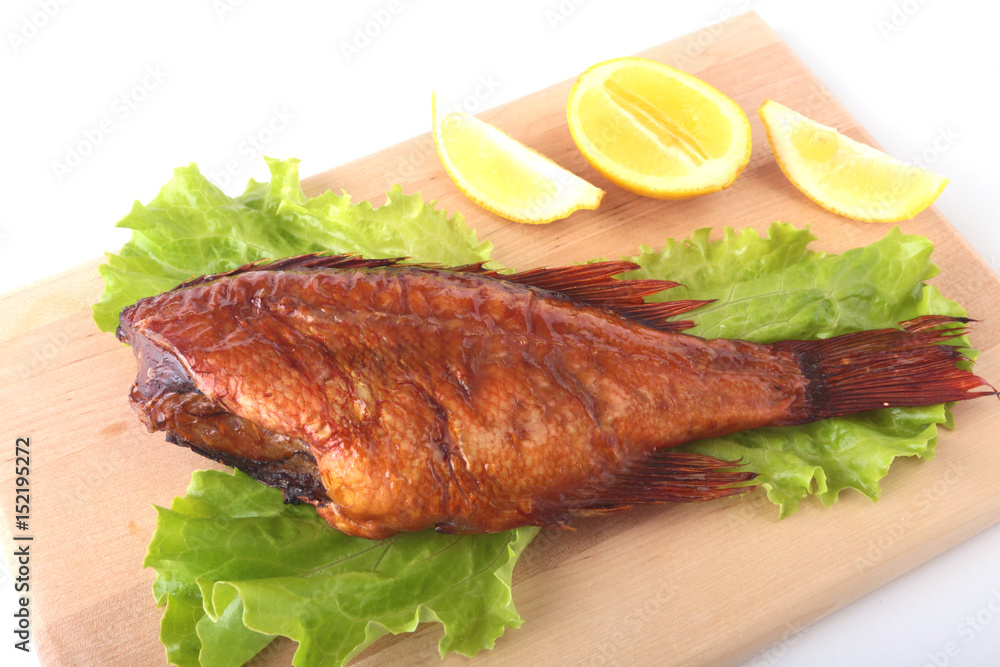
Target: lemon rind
(776, 116)
(711, 176)
(573, 192)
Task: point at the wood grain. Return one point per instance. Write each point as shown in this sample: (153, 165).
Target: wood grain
(707, 584)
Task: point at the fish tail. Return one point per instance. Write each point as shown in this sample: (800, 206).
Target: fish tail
(885, 368)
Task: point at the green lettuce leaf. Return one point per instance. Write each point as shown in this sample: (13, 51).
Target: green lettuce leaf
(237, 567)
(772, 287)
(192, 228)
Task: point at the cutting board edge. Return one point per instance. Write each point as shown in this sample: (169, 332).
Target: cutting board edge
(883, 573)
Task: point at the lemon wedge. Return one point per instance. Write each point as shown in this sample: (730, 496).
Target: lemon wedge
(657, 131)
(845, 176)
(503, 175)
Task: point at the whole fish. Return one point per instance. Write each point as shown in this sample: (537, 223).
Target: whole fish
(400, 397)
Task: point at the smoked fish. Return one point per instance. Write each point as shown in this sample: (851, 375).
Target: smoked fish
(398, 397)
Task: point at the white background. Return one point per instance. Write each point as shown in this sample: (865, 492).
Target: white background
(202, 81)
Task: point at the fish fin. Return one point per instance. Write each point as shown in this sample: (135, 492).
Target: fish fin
(595, 285)
(666, 476)
(885, 368)
(315, 260)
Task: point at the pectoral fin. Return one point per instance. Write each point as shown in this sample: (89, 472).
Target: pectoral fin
(667, 477)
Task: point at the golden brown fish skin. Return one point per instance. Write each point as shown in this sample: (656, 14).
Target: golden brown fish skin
(166, 400)
(453, 400)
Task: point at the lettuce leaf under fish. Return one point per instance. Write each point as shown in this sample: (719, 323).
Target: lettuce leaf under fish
(772, 287)
(192, 228)
(236, 567)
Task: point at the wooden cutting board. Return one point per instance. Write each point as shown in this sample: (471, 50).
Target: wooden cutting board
(712, 583)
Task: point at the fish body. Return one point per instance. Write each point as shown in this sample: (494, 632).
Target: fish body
(400, 397)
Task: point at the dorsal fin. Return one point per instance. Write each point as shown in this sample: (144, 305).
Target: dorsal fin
(593, 284)
(314, 260)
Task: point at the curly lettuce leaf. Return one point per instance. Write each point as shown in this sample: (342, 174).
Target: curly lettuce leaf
(772, 287)
(193, 228)
(237, 567)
